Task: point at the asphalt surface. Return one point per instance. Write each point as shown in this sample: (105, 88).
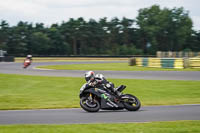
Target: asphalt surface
(78, 116)
(16, 68)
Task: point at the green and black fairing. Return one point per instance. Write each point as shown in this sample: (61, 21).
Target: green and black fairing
(85, 89)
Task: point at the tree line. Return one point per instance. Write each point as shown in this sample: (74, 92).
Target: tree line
(154, 29)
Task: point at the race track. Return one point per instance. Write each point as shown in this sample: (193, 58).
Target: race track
(79, 116)
(16, 68)
(76, 116)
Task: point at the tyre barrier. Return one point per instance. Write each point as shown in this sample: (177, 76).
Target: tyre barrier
(194, 62)
(178, 63)
(7, 59)
(1, 59)
(160, 62)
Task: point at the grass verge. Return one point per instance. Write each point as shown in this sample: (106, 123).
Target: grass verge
(112, 67)
(35, 92)
(58, 59)
(152, 127)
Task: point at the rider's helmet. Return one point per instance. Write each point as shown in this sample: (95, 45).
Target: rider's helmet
(100, 76)
(29, 56)
(89, 76)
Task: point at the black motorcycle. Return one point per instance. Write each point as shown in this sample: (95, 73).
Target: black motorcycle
(92, 99)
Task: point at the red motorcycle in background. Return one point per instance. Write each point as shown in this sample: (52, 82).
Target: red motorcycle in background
(27, 61)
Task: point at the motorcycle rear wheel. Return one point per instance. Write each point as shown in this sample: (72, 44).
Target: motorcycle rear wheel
(130, 104)
(88, 105)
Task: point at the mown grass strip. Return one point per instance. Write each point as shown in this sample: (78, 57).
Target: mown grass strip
(112, 67)
(151, 127)
(58, 59)
(36, 92)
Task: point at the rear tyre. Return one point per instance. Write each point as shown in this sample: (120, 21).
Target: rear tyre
(131, 103)
(89, 105)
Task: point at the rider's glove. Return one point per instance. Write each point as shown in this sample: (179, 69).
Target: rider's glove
(108, 85)
(93, 83)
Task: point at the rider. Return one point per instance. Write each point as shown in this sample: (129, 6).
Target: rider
(29, 59)
(99, 80)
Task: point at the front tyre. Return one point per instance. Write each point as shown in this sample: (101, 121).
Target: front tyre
(89, 105)
(131, 103)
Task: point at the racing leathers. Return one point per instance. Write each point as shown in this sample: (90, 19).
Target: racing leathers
(100, 82)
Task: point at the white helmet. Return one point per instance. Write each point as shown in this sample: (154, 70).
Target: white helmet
(89, 76)
(29, 56)
(99, 76)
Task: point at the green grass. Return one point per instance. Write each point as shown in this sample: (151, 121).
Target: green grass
(35, 92)
(111, 66)
(61, 59)
(152, 127)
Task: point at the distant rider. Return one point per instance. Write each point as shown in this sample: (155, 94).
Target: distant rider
(27, 61)
(29, 57)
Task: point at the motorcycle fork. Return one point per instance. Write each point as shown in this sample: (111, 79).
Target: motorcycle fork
(90, 97)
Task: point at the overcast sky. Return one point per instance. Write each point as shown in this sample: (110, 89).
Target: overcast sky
(56, 11)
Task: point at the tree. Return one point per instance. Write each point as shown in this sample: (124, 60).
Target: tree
(126, 30)
(18, 39)
(154, 29)
(40, 43)
(58, 46)
(73, 32)
(193, 42)
(4, 34)
(163, 29)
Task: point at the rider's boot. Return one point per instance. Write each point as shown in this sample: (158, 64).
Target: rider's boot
(119, 89)
(115, 90)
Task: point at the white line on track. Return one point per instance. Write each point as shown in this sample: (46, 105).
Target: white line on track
(41, 68)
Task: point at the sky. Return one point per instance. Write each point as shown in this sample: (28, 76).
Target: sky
(56, 11)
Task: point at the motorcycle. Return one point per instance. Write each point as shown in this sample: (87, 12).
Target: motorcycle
(27, 63)
(92, 99)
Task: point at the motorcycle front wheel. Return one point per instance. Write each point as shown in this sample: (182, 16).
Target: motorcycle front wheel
(89, 105)
(131, 103)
